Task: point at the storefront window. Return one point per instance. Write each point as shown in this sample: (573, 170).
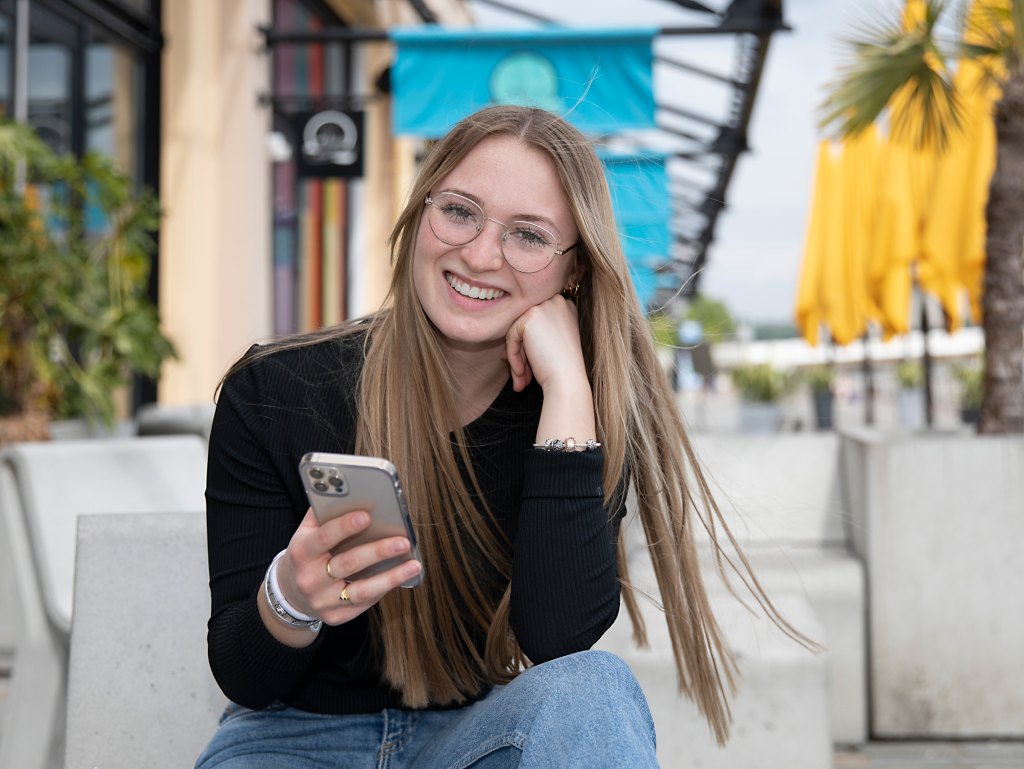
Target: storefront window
(112, 104)
(310, 215)
(6, 52)
(50, 58)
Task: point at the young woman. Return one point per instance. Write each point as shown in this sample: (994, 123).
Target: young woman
(475, 368)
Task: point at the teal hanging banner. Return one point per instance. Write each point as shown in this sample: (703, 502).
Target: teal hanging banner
(643, 208)
(600, 80)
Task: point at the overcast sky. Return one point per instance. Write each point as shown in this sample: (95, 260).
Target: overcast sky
(755, 260)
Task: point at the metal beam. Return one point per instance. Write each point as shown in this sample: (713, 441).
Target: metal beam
(324, 35)
(699, 71)
(693, 5)
(426, 15)
(689, 115)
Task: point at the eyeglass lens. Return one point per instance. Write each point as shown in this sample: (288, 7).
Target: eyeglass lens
(456, 220)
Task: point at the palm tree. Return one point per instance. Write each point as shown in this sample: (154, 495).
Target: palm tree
(899, 68)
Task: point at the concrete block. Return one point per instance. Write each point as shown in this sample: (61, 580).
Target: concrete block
(140, 691)
(156, 419)
(10, 622)
(782, 489)
(781, 496)
(61, 480)
(43, 489)
(780, 715)
(939, 521)
(833, 582)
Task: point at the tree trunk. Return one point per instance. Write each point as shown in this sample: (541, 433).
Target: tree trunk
(1002, 409)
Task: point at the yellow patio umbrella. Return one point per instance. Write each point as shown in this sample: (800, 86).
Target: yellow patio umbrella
(890, 213)
(953, 243)
(837, 253)
(810, 304)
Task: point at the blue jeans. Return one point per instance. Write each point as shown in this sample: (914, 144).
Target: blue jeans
(584, 710)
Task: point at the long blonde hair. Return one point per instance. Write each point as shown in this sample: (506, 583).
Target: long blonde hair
(407, 404)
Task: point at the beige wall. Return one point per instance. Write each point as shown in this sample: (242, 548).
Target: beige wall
(215, 241)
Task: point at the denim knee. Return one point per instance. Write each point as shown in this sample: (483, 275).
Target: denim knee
(585, 671)
(597, 677)
(586, 709)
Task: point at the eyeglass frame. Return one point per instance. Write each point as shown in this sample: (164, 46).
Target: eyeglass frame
(504, 234)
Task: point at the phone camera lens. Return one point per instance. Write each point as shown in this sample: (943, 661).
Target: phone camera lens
(315, 473)
(320, 486)
(335, 482)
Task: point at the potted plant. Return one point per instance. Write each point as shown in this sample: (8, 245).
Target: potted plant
(820, 379)
(972, 380)
(75, 321)
(761, 386)
(910, 377)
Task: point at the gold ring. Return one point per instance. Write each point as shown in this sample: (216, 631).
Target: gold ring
(345, 597)
(329, 571)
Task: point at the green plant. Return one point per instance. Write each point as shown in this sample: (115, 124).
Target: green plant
(820, 378)
(762, 383)
(663, 330)
(972, 381)
(910, 375)
(75, 249)
(713, 316)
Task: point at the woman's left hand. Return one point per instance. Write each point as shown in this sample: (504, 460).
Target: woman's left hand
(544, 344)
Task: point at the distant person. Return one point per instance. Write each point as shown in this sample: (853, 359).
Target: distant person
(472, 380)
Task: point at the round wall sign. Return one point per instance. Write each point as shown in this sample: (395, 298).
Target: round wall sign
(528, 79)
(330, 137)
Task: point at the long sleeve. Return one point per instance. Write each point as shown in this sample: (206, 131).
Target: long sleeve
(565, 588)
(250, 518)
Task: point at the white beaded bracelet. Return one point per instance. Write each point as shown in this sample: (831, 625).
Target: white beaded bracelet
(284, 610)
(569, 444)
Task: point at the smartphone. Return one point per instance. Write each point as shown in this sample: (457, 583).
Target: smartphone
(337, 484)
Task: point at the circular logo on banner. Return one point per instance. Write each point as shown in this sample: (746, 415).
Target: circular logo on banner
(528, 79)
(330, 137)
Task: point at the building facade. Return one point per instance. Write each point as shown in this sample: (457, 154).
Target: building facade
(249, 248)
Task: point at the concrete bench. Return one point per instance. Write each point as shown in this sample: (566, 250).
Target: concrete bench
(44, 487)
(780, 714)
(784, 499)
(140, 691)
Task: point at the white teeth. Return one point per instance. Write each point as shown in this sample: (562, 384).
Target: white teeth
(473, 292)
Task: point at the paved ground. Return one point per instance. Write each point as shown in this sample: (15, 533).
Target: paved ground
(932, 755)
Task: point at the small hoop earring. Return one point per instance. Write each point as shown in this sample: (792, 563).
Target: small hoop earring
(573, 293)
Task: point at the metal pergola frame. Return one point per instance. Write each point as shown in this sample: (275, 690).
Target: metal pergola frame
(696, 210)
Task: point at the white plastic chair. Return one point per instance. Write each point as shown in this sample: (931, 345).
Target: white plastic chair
(44, 487)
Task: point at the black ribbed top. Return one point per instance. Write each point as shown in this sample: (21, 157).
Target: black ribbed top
(565, 591)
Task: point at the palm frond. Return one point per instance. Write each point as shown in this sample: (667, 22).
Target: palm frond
(902, 68)
(990, 38)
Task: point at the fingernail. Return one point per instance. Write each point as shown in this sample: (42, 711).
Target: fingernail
(360, 520)
(412, 569)
(399, 545)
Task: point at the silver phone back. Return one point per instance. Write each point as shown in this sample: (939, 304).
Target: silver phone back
(337, 484)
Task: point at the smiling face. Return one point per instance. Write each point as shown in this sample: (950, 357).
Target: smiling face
(511, 182)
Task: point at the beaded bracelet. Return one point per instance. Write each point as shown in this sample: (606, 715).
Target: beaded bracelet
(569, 444)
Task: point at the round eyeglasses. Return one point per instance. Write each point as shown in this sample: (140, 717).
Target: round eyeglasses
(527, 247)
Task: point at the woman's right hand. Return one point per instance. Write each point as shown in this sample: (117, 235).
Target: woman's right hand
(303, 578)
